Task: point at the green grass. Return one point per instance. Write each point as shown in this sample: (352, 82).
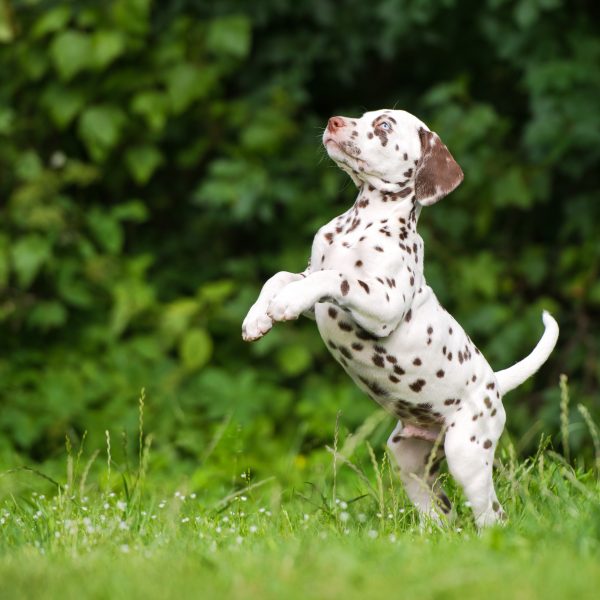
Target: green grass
(349, 533)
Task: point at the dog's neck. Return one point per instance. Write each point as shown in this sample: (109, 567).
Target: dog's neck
(400, 206)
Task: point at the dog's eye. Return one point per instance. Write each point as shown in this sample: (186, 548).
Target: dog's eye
(385, 126)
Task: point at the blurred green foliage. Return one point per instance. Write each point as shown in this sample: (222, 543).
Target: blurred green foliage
(159, 160)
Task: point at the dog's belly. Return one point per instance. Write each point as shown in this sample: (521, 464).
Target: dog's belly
(419, 373)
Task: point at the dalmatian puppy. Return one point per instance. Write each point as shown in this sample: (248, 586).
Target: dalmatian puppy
(381, 321)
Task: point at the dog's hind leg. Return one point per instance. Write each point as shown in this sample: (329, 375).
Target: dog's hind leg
(469, 447)
(413, 456)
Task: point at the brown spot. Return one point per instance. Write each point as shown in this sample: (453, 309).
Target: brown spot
(361, 334)
(396, 439)
(332, 345)
(487, 402)
(493, 413)
(474, 378)
(449, 357)
(408, 315)
(379, 349)
(440, 373)
(398, 370)
(418, 385)
(358, 263)
(364, 286)
(379, 248)
(378, 360)
(376, 388)
(393, 379)
(475, 417)
(472, 438)
(356, 346)
(344, 326)
(449, 401)
(332, 312)
(345, 352)
(417, 362)
(391, 359)
(490, 386)
(487, 444)
(495, 506)
(430, 330)
(345, 288)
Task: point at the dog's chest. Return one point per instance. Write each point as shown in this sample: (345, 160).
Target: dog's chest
(363, 245)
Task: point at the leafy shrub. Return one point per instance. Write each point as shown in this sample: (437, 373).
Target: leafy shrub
(159, 160)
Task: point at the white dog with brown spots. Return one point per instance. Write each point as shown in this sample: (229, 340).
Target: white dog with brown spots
(383, 323)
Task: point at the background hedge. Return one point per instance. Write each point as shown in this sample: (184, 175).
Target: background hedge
(159, 160)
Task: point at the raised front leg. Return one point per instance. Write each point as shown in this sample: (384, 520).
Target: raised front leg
(257, 321)
(376, 305)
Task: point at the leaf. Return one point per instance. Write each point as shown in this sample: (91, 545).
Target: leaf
(229, 36)
(47, 315)
(100, 129)
(4, 261)
(7, 23)
(187, 83)
(195, 349)
(71, 52)
(132, 15)
(51, 20)
(7, 119)
(107, 45)
(29, 254)
(106, 229)
(142, 161)
(294, 359)
(63, 103)
(153, 107)
(131, 297)
(176, 317)
(30, 166)
(134, 210)
(216, 292)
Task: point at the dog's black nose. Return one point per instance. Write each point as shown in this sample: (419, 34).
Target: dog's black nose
(335, 123)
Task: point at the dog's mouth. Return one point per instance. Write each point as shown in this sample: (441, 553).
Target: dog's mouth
(347, 150)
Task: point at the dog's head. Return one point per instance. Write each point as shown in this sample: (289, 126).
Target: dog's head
(393, 151)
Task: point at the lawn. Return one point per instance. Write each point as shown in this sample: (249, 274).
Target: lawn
(346, 532)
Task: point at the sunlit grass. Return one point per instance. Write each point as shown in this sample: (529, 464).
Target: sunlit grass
(349, 533)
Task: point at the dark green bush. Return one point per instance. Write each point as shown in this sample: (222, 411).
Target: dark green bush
(158, 160)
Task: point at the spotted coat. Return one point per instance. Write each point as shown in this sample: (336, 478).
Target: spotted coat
(380, 320)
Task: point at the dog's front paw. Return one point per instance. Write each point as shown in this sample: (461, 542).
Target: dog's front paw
(255, 325)
(288, 304)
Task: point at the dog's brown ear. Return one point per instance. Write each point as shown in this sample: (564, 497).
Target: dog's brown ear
(437, 173)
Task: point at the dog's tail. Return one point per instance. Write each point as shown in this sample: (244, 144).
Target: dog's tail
(509, 379)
